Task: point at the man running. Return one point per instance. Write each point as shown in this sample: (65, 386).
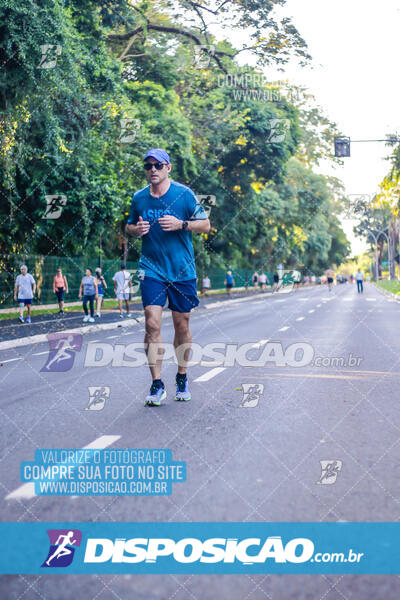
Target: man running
(25, 288)
(162, 214)
(330, 274)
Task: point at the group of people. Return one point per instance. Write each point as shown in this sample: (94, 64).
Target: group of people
(262, 280)
(91, 291)
(358, 277)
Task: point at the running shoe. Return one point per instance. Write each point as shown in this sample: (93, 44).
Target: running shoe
(21, 319)
(91, 320)
(121, 316)
(28, 319)
(182, 390)
(97, 314)
(157, 394)
(86, 318)
(129, 315)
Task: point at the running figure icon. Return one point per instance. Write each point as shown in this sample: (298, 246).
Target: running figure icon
(63, 345)
(62, 549)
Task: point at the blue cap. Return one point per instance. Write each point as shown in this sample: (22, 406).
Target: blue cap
(159, 154)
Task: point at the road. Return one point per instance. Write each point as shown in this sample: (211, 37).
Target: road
(259, 463)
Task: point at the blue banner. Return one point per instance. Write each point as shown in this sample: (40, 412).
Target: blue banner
(302, 548)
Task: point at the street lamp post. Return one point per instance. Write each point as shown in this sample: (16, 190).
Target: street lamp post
(381, 232)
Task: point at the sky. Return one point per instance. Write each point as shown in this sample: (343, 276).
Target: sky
(354, 45)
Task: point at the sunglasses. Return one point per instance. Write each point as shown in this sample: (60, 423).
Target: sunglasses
(158, 166)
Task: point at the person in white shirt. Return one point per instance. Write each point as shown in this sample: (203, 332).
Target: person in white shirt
(205, 285)
(359, 279)
(123, 288)
(25, 288)
(263, 280)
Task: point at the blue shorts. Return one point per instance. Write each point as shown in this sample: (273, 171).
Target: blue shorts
(24, 301)
(182, 295)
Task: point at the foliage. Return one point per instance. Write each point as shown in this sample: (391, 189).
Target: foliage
(156, 66)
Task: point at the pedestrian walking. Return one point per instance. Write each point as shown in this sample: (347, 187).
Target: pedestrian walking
(359, 279)
(89, 288)
(263, 280)
(205, 285)
(164, 214)
(255, 279)
(25, 288)
(276, 281)
(101, 286)
(123, 289)
(229, 282)
(60, 288)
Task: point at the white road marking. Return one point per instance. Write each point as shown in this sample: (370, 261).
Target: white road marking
(284, 328)
(11, 359)
(370, 299)
(209, 374)
(39, 353)
(300, 319)
(312, 310)
(27, 490)
(319, 305)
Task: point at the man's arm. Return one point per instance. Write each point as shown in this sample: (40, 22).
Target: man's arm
(141, 228)
(16, 291)
(171, 223)
(199, 226)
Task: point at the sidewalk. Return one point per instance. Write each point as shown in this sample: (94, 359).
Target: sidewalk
(13, 333)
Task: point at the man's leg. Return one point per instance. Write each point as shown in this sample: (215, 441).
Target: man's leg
(153, 340)
(120, 306)
(182, 336)
(127, 305)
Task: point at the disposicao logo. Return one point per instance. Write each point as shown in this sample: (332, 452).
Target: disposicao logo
(62, 547)
(190, 550)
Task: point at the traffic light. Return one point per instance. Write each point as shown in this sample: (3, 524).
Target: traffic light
(342, 146)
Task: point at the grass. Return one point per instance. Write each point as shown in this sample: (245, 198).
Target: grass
(390, 286)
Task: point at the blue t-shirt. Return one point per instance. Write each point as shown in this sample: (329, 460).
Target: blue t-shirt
(88, 286)
(167, 255)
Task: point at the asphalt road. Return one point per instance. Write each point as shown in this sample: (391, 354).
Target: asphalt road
(244, 463)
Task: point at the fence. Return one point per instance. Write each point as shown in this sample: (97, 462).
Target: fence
(43, 269)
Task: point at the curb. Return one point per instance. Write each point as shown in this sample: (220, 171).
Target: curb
(387, 293)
